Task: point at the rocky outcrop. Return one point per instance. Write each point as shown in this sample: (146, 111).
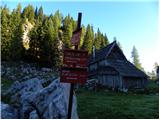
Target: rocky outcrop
(26, 28)
(35, 101)
(33, 115)
(8, 112)
(23, 71)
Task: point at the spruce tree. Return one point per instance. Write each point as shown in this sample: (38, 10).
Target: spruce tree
(44, 41)
(36, 36)
(82, 36)
(74, 24)
(6, 34)
(28, 13)
(67, 32)
(106, 41)
(98, 39)
(135, 58)
(40, 15)
(88, 39)
(57, 21)
(36, 13)
(16, 42)
(33, 44)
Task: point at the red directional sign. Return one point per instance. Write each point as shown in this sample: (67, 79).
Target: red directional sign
(75, 58)
(74, 68)
(76, 37)
(73, 75)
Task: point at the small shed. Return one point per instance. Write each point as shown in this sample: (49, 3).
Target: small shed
(111, 68)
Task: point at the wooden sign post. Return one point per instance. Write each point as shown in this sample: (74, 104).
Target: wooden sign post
(74, 68)
(76, 37)
(72, 85)
(76, 58)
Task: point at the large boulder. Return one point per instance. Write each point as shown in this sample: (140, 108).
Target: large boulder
(35, 101)
(50, 102)
(33, 115)
(46, 70)
(8, 112)
(20, 90)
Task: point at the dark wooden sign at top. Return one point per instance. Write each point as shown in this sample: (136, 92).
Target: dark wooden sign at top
(76, 37)
(75, 58)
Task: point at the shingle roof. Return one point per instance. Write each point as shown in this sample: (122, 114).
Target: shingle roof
(101, 54)
(124, 67)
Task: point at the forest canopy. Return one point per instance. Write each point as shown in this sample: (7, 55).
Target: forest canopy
(29, 34)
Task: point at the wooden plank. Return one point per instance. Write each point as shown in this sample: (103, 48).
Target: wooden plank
(75, 58)
(73, 75)
(75, 40)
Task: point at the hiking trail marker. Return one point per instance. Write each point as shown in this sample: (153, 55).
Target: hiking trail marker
(74, 75)
(76, 37)
(76, 58)
(74, 69)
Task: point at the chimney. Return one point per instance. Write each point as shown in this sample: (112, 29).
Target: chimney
(94, 54)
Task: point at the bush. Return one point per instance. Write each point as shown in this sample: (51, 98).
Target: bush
(152, 88)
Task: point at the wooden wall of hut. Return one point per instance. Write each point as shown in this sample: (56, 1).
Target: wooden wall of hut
(108, 76)
(131, 83)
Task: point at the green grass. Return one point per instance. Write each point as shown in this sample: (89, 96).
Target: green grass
(152, 87)
(101, 104)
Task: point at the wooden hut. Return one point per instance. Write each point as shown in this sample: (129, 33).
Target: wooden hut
(110, 68)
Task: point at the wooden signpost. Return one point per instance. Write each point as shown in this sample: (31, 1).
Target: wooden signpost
(74, 69)
(74, 75)
(76, 58)
(76, 37)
